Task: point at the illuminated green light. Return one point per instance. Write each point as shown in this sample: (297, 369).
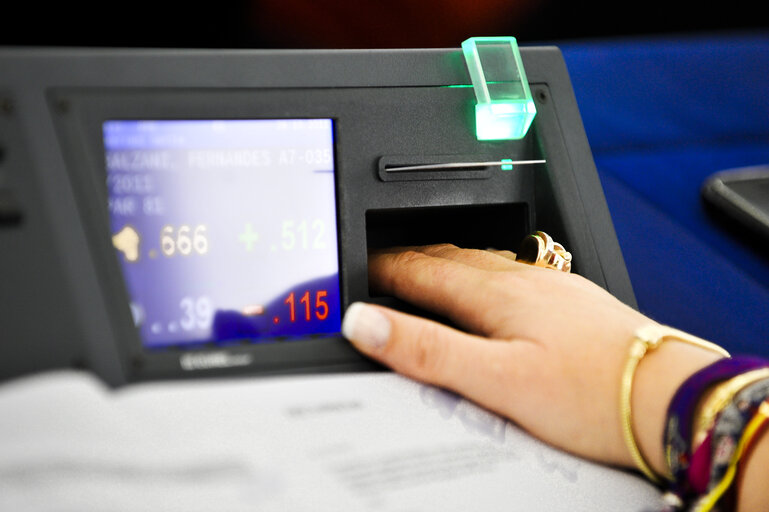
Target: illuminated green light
(507, 164)
(505, 108)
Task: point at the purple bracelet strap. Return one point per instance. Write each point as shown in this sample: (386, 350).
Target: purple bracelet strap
(730, 425)
(678, 431)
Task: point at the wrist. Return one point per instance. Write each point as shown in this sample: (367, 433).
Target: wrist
(658, 377)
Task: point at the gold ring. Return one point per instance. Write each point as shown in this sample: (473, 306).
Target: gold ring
(540, 250)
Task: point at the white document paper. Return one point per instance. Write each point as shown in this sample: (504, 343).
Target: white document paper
(347, 442)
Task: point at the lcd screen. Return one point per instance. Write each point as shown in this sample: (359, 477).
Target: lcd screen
(225, 229)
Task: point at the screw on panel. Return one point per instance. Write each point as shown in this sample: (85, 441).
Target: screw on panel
(541, 96)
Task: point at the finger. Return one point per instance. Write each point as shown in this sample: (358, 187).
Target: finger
(484, 259)
(482, 370)
(510, 255)
(489, 259)
(467, 295)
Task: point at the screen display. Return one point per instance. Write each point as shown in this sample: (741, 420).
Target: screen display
(225, 229)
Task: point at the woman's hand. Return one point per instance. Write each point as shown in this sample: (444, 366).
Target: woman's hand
(541, 347)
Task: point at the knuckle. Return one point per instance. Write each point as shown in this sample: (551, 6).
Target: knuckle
(406, 258)
(444, 249)
(395, 279)
(412, 268)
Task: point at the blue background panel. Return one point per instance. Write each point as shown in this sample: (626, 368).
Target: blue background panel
(661, 115)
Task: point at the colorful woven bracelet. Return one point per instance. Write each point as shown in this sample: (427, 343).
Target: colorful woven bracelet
(698, 474)
(680, 417)
(731, 424)
(717, 399)
(731, 452)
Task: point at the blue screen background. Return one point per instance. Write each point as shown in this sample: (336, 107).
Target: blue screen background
(226, 229)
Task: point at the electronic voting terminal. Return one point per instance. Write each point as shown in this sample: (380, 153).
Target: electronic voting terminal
(191, 213)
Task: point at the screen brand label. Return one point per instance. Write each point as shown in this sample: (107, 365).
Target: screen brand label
(211, 360)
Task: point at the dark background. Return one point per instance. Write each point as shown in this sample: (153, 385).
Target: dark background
(358, 23)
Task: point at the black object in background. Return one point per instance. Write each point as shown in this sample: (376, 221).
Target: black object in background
(739, 199)
(338, 24)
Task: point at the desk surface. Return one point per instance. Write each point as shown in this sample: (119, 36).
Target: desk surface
(366, 442)
(662, 115)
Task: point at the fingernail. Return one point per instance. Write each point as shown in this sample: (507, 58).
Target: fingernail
(365, 325)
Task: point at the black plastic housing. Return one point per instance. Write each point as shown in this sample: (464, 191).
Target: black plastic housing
(61, 291)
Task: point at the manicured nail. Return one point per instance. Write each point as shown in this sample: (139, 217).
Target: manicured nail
(365, 325)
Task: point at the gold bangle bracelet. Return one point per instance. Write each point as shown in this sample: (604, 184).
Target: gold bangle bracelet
(646, 339)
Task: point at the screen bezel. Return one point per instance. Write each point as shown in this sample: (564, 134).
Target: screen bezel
(86, 111)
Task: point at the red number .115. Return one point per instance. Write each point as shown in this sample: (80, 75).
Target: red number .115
(320, 309)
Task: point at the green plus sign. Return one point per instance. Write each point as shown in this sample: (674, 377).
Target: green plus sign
(249, 237)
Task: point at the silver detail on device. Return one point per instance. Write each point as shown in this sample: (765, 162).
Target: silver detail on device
(461, 165)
